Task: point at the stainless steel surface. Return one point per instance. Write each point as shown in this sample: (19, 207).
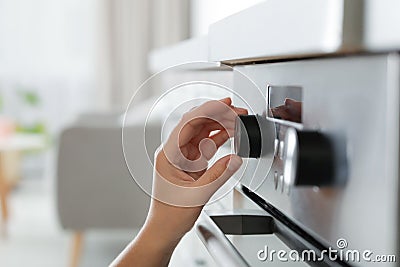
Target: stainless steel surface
(290, 158)
(220, 248)
(277, 98)
(240, 237)
(354, 101)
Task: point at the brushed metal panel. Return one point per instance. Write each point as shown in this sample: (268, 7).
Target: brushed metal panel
(351, 99)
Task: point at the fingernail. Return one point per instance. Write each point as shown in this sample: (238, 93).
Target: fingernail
(234, 163)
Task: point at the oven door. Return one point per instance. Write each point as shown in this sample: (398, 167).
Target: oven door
(254, 237)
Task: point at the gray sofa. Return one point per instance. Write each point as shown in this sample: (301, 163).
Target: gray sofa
(94, 187)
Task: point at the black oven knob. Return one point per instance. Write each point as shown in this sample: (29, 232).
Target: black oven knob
(248, 136)
(308, 159)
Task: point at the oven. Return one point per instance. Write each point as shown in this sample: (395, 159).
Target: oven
(319, 185)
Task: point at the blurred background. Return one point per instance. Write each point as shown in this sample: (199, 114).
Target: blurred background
(68, 69)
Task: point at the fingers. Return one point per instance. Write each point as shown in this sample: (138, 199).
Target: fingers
(226, 100)
(209, 125)
(207, 148)
(280, 112)
(222, 170)
(216, 110)
(290, 110)
(182, 147)
(188, 193)
(220, 138)
(211, 116)
(206, 130)
(240, 111)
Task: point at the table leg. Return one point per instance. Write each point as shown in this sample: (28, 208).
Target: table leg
(3, 192)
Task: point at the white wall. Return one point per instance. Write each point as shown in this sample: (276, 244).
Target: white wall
(49, 46)
(206, 12)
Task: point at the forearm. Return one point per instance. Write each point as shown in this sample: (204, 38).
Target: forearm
(147, 249)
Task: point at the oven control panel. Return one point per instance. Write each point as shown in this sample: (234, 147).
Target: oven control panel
(301, 157)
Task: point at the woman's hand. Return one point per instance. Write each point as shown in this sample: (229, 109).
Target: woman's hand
(183, 182)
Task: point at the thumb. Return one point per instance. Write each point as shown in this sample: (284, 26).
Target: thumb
(222, 170)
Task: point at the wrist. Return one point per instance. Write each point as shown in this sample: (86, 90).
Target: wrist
(169, 222)
(161, 238)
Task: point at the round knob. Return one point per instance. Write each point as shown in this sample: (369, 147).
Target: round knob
(308, 159)
(247, 139)
(254, 136)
